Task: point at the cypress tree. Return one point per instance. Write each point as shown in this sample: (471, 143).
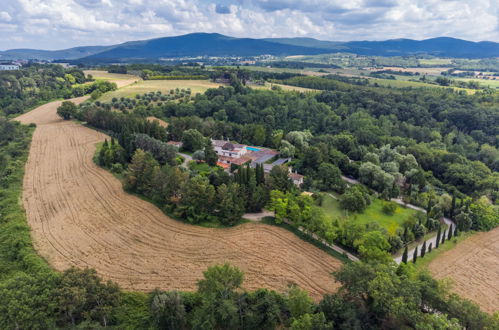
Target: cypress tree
(430, 247)
(404, 255)
(439, 233)
(405, 234)
(456, 232)
(449, 236)
(453, 207)
(423, 249)
(415, 255)
(443, 236)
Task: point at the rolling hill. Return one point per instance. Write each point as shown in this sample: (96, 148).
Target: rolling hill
(214, 44)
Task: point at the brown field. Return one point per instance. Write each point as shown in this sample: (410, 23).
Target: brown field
(473, 265)
(80, 216)
(160, 121)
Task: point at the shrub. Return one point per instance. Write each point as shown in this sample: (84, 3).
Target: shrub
(389, 208)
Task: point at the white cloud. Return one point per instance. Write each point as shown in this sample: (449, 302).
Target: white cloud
(55, 24)
(5, 16)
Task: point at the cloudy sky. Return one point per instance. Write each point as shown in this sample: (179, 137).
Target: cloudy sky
(57, 24)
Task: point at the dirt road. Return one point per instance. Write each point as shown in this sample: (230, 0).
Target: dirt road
(473, 265)
(80, 215)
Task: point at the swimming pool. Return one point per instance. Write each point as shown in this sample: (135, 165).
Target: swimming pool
(253, 149)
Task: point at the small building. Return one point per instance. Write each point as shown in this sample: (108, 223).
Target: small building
(5, 67)
(297, 178)
(177, 144)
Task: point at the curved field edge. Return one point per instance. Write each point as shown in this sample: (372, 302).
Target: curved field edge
(17, 253)
(81, 217)
(473, 267)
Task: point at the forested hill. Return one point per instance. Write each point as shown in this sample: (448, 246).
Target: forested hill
(442, 46)
(214, 44)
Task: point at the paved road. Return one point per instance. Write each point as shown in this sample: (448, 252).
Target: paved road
(432, 240)
(187, 159)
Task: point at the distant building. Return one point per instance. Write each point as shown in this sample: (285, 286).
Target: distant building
(228, 149)
(297, 178)
(175, 143)
(5, 67)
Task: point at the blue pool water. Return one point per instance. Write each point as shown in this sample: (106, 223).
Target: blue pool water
(252, 148)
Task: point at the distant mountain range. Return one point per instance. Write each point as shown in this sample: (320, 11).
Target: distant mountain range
(214, 44)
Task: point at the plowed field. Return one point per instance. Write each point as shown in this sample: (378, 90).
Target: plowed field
(473, 265)
(80, 216)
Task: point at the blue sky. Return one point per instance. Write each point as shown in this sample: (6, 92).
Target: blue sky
(57, 24)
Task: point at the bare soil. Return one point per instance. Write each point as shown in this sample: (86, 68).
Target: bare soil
(473, 265)
(80, 216)
(160, 121)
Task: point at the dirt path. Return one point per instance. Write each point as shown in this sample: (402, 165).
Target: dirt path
(80, 215)
(473, 265)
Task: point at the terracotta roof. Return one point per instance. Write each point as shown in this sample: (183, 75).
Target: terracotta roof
(295, 176)
(223, 165)
(240, 161)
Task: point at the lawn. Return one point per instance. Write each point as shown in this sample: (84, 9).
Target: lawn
(373, 213)
(146, 86)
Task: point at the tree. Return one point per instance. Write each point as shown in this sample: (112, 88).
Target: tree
(354, 199)
(230, 203)
(299, 302)
(439, 233)
(374, 247)
(192, 140)
(330, 176)
(389, 208)
(67, 110)
(451, 231)
(27, 302)
(198, 199)
(210, 155)
(168, 310)
(443, 236)
(279, 180)
(141, 172)
(415, 255)
(218, 293)
(404, 255)
(423, 249)
(82, 295)
(430, 247)
(198, 156)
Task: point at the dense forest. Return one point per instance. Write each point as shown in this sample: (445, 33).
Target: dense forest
(23, 89)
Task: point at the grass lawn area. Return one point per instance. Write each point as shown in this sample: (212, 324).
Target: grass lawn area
(201, 168)
(373, 213)
(146, 86)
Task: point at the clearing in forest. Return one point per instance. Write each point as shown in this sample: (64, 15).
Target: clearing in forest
(473, 266)
(80, 216)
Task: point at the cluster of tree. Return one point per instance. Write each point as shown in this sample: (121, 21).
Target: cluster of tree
(214, 197)
(112, 155)
(31, 85)
(95, 89)
(119, 125)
